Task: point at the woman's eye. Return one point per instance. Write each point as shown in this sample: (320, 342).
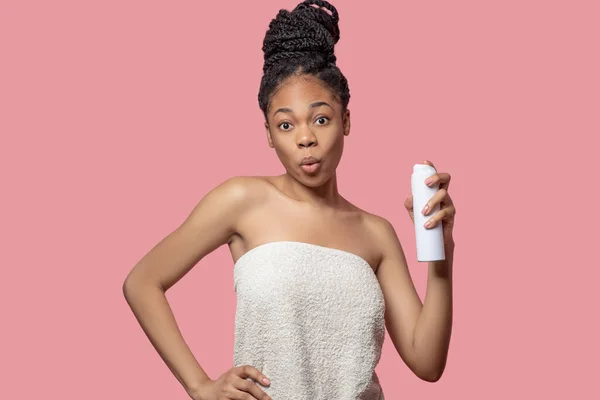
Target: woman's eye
(322, 118)
(285, 125)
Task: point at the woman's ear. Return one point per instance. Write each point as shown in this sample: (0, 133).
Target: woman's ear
(269, 138)
(346, 122)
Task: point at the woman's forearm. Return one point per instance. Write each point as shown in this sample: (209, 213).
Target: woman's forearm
(151, 308)
(434, 325)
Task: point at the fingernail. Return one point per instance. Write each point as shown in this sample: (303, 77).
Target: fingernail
(265, 380)
(425, 209)
(427, 224)
(428, 181)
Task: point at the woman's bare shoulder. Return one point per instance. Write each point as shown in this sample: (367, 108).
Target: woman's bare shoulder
(377, 225)
(245, 187)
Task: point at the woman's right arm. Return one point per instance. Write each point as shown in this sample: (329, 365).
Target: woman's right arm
(211, 224)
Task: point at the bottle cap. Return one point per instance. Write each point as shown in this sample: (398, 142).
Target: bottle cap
(423, 169)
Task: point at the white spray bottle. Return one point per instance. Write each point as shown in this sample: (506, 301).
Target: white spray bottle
(430, 241)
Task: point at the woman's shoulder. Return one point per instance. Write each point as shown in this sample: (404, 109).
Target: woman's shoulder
(244, 188)
(242, 182)
(376, 225)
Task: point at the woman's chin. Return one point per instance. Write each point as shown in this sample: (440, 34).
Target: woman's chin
(314, 179)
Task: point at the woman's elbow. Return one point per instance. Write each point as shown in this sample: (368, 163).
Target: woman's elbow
(431, 376)
(135, 284)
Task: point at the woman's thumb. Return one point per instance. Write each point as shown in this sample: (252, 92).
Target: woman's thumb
(408, 203)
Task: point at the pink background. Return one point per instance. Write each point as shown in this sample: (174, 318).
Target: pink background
(118, 116)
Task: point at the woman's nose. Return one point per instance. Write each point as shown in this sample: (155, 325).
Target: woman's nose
(307, 139)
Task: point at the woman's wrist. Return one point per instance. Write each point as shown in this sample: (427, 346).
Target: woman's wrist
(197, 389)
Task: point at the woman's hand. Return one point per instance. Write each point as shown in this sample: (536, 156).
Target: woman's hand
(233, 385)
(447, 210)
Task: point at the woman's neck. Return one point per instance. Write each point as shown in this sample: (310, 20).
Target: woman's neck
(324, 196)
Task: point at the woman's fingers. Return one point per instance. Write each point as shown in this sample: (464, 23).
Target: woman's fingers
(246, 386)
(248, 371)
(444, 213)
(436, 199)
(441, 178)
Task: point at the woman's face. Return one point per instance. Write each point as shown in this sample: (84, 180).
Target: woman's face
(304, 120)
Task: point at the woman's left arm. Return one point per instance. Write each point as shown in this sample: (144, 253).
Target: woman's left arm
(434, 325)
(419, 330)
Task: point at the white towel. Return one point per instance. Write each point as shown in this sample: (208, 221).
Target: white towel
(311, 318)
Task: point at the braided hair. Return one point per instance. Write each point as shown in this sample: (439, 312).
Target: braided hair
(301, 42)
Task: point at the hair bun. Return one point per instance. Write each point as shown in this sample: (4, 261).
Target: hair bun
(307, 30)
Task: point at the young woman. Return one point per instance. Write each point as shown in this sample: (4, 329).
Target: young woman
(317, 279)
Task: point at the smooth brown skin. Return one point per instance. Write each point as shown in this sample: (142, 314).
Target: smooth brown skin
(245, 212)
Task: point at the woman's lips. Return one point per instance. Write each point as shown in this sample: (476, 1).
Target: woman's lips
(311, 168)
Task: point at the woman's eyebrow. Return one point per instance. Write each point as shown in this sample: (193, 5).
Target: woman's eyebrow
(319, 104)
(313, 105)
(288, 110)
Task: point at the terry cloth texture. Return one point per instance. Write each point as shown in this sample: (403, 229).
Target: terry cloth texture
(311, 318)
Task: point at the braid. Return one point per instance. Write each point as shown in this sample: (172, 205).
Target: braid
(302, 42)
